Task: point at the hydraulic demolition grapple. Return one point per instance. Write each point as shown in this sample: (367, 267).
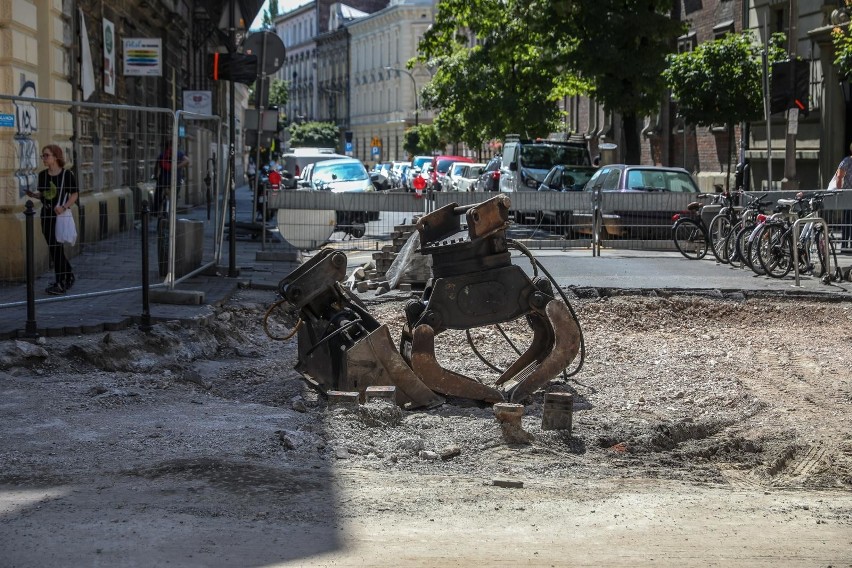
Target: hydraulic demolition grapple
(474, 284)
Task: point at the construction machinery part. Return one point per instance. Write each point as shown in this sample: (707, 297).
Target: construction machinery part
(475, 284)
(341, 346)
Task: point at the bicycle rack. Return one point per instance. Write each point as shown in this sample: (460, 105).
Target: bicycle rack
(597, 222)
(796, 224)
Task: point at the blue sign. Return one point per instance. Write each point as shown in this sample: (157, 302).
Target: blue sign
(349, 146)
(7, 120)
(376, 151)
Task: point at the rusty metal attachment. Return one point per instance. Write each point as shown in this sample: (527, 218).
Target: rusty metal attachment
(341, 346)
(474, 284)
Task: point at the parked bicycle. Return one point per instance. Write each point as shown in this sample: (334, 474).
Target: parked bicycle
(774, 242)
(692, 237)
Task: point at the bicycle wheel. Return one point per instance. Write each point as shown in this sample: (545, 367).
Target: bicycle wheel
(720, 228)
(742, 245)
(690, 239)
(731, 253)
(822, 247)
(775, 250)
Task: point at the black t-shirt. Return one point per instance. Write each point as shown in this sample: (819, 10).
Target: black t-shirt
(55, 190)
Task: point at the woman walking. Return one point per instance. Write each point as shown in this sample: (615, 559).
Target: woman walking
(57, 190)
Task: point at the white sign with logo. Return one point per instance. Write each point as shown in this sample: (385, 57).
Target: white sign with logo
(199, 102)
(109, 57)
(143, 57)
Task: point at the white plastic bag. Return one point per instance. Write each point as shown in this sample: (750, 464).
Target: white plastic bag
(66, 230)
(832, 185)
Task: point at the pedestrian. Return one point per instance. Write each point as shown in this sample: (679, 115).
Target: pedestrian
(251, 172)
(57, 190)
(843, 180)
(163, 171)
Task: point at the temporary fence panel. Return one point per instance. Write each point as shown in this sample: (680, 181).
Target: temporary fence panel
(114, 151)
(540, 219)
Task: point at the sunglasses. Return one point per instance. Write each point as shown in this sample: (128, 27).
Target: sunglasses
(46, 155)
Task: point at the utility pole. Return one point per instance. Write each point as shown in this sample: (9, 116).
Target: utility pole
(791, 181)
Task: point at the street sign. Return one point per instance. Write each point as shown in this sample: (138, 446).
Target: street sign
(7, 120)
(376, 151)
(268, 48)
(349, 148)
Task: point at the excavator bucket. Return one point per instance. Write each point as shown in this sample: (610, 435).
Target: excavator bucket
(374, 361)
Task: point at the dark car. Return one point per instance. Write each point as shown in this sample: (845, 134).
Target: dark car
(627, 216)
(564, 178)
(489, 179)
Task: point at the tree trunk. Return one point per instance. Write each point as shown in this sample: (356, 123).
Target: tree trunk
(632, 146)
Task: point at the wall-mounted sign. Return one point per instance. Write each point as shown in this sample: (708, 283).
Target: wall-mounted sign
(7, 120)
(109, 57)
(199, 102)
(143, 57)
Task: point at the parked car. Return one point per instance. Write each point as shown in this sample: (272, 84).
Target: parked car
(489, 179)
(440, 167)
(564, 178)
(399, 173)
(454, 174)
(468, 176)
(344, 175)
(621, 220)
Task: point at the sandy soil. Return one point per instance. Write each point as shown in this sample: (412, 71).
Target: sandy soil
(707, 432)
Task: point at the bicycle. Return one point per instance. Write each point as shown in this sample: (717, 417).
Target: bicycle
(775, 242)
(733, 251)
(692, 237)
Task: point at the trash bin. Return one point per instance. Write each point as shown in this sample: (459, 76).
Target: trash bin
(189, 247)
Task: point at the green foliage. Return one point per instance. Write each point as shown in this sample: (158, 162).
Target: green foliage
(721, 81)
(321, 134)
(279, 92)
(841, 39)
(423, 139)
(530, 53)
(506, 82)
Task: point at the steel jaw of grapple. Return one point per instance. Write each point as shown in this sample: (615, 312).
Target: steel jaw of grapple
(341, 346)
(474, 284)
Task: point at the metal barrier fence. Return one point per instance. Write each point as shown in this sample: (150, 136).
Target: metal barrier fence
(116, 148)
(640, 221)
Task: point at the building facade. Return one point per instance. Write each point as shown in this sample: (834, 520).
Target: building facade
(384, 101)
(109, 117)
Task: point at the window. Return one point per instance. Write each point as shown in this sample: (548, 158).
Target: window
(723, 28)
(611, 179)
(687, 42)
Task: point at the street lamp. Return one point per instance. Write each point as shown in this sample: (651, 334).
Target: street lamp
(414, 84)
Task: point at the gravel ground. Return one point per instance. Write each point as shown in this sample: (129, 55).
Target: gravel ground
(696, 393)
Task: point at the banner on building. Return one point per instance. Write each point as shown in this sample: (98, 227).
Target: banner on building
(109, 57)
(199, 102)
(87, 73)
(143, 57)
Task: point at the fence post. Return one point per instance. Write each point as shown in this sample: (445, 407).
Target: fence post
(145, 322)
(30, 330)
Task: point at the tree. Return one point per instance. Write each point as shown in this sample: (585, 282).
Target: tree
(721, 81)
(279, 92)
(504, 83)
(529, 53)
(270, 14)
(423, 139)
(321, 134)
(618, 46)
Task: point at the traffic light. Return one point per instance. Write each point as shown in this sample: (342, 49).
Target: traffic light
(236, 67)
(789, 87)
(802, 86)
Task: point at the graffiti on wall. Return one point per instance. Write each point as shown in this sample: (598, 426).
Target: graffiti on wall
(26, 119)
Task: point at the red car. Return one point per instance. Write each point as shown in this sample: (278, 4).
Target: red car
(440, 167)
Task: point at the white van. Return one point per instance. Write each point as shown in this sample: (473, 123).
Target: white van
(296, 159)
